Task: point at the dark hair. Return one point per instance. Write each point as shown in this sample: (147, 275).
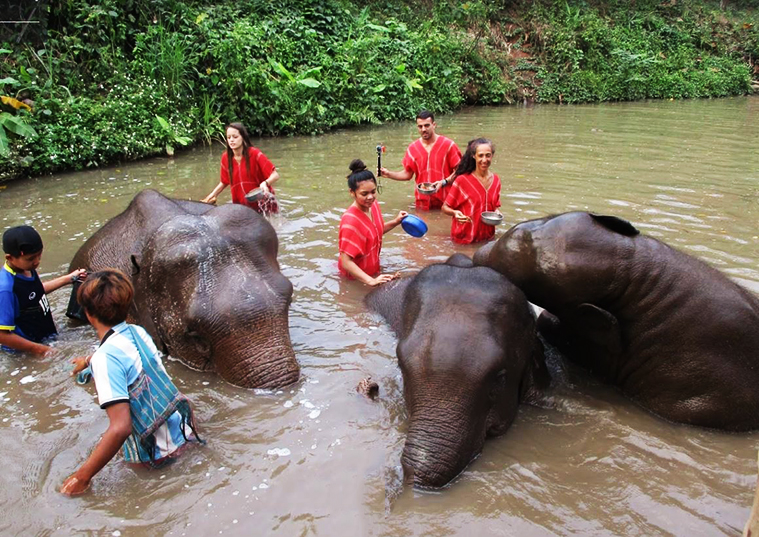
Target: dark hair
(21, 240)
(107, 296)
(358, 174)
(246, 143)
(425, 114)
(468, 164)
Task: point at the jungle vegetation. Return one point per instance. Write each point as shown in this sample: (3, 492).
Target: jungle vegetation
(103, 81)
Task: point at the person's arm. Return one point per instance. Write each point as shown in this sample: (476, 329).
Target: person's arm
(14, 341)
(404, 175)
(211, 198)
(269, 182)
(80, 364)
(119, 429)
(391, 224)
(57, 283)
(445, 182)
(354, 270)
(458, 215)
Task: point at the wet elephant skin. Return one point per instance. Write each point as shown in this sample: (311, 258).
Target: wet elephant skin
(469, 354)
(676, 335)
(207, 285)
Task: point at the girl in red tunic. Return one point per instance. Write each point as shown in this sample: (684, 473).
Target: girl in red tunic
(245, 168)
(475, 190)
(361, 229)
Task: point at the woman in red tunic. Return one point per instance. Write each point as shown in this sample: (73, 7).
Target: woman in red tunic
(475, 190)
(361, 229)
(245, 168)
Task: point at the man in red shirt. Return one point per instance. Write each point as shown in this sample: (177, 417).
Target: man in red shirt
(432, 159)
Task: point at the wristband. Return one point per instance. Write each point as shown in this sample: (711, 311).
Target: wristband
(74, 278)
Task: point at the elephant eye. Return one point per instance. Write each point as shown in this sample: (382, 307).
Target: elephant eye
(497, 386)
(201, 344)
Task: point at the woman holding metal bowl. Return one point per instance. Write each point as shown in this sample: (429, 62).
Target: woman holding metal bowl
(476, 190)
(246, 169)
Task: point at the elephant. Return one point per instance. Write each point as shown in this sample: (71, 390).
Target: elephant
(469, 354)
(207, 284)
(674, 334)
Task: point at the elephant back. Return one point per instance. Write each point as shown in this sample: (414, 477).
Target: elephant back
(124, 235)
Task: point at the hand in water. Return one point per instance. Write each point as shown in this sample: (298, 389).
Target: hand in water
(74, 486)
(80, 364)
(51, 352)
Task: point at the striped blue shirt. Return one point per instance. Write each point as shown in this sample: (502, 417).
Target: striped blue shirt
(116, 366)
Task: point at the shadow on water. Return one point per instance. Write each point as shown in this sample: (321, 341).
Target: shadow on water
(318, 459)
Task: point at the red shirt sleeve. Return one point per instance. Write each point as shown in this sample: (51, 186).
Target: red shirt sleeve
(455, 196)
(409, 164)
(224, 169)
(351, 240)
(265, 165)
(454, 156)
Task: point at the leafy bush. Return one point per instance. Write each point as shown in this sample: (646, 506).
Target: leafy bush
(658, 50)
(111, 68)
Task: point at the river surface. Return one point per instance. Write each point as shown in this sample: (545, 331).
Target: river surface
(318, 459)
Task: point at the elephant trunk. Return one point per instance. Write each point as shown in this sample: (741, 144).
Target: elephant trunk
(266, 361)
(248, 346)
(443, 438)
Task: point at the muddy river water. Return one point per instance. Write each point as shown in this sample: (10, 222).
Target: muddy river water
(318, 459)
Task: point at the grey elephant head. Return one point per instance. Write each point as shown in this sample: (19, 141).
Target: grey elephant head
(550, 258)
(675, 334)
(207, 285)
(468, 353)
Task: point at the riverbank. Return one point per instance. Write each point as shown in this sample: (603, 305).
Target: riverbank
(113, 82)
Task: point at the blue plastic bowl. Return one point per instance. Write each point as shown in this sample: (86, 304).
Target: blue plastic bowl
(414, 226)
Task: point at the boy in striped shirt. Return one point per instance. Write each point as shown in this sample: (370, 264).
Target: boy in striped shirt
(149, 418)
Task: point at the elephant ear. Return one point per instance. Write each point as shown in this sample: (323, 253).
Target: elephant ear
(617, 225)
(599, 326)
(135, 261)
(388, 300)
(536, 378)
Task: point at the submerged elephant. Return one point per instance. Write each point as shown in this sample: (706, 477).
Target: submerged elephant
(207, 285)
(676, 335)
(469, 354)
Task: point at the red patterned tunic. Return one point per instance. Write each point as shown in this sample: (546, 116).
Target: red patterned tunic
(244, 180)
(469, 196)
(436, 165)
(361, 238)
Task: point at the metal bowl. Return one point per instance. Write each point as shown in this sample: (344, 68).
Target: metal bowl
(426, 188)
(255, 194)
(491, 218)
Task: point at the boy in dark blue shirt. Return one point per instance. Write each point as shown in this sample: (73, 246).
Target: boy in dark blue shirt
(25, 316)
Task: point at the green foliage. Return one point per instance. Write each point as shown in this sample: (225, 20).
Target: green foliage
(124, 79)
(658, 50)
(12, 124)
(171, 136)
